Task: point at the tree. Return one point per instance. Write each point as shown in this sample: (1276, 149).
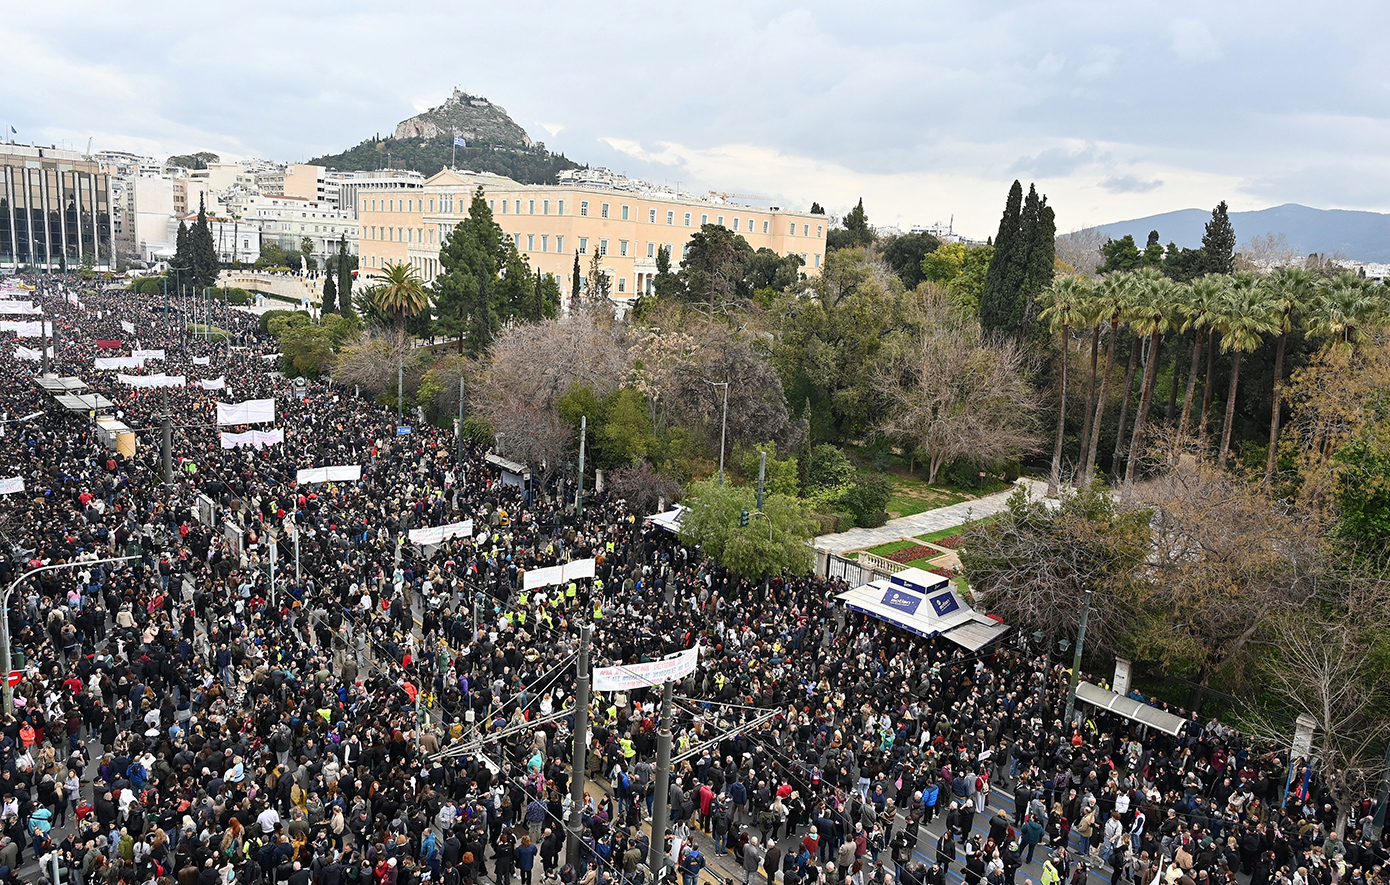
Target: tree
(346, 265)
(714, 270)
(642, 487)
(956, 393)
(905, 253)
(372, 363)
(817, 209)
(1120, 255)
(516, 290)
(1244, 318)
(330, 294)
(1112, 296)
(665, 284)
(576, 280)
(1081, 250)
(1064, 309)
(599, 282)
(545, 303)
(1034, 564)
(1291, 292)
(768, 270)
(711, 521)
(306, 246)
(467, 294)
(1219, 243)
(1152, 316)
(1198, 310)
(183, 255)
(1153, 251)
(202, 254)
(1345, 311)
(1022, 266)
(400, 295)
(854, 231)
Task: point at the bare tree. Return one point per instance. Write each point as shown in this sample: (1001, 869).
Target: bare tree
(372, 364)
(1265, 253)
(1081, 249)
(957, 394)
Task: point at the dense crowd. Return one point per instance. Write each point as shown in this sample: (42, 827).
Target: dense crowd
(396, 715)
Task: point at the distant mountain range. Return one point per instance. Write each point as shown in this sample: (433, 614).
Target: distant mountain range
(425, 143)
(1360, 236)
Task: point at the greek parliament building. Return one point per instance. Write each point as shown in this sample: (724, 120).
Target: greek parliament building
(550, 223)
(55, 210)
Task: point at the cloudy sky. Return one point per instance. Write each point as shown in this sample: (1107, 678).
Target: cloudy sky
(925, 109)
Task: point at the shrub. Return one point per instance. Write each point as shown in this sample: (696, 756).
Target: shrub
(867, 498)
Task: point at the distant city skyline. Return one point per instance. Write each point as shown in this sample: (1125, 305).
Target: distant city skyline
(924, 110)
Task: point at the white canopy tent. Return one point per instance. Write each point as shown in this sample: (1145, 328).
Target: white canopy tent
(924, 603)
(669, 520)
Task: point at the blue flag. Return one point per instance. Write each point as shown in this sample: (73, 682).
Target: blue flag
(459, 142)
(14, 131)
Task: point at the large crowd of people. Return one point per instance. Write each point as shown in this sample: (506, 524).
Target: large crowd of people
(390, 714)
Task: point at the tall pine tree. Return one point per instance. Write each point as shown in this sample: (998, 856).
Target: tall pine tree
(1040, 233)
(183, 259)
(1004, 278)
(1219, 243)
(467, 289)
(202, 252)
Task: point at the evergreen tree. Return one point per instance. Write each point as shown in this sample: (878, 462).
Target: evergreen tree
(665, 284)
(1004, 279)
(817, 209)
(1040, 233)
(466, 290)
(600, 284)
(547, 296)
(202, 252)
(344, 278)
(330, 295)
(577, 281)
(854, 230)
(182, 259)
(515, 290)
(1219, 243)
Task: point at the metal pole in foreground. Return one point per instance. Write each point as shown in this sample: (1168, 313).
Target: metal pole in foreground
(1076, 657)
(583, 433)
(661, 796)
(578, 758)
(168, 441)
(5, 654)
(460, 440)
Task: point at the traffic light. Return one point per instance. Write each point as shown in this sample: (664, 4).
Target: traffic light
(743, 518)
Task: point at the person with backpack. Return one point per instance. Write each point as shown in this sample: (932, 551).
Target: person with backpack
(691, 863)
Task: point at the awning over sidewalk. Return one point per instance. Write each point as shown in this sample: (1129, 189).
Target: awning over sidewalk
(1135, 711)
(669, 521)
(924, 603)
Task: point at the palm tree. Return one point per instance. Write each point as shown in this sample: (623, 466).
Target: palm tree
(1198, 309)
(1245, 316)
(1153, 315)
(1112, 294)
(1345, 310)
(1064, 309)
(401, 294)
(1134, 305)
(1095, 310)
(1290, 291)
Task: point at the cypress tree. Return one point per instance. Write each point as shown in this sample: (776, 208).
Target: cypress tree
(1040, 233)
(344, 279)
(330, 295)
(577, 281)
(1219, 243)
(202, 252)
(1004, 278)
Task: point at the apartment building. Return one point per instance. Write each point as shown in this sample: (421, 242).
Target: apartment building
(55, 209)
(289, 220)
(551, 223)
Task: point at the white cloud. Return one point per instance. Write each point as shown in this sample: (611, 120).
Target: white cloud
(1192, 40)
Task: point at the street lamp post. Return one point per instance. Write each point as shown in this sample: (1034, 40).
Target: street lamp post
(723, 425)
(1076, 656)
(5, 654)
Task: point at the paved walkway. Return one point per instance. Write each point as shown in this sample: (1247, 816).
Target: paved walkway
(926, 521)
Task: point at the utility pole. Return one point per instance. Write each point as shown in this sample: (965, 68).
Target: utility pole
(295, 528)
(661, 798)
(274, 542)
(400, 387)
(460, 420)
(168, 441)
(581, 747)
(762, 476)
(583, 434)
(723, 426)
(43, 342)
(1076, 656)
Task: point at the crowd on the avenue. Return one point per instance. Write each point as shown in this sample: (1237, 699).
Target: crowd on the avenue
(181, 720)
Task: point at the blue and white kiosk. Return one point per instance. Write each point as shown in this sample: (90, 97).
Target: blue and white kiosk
(924, 603)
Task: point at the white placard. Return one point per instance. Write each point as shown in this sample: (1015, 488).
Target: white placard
(329, 474)
(626, 677)
(148, 354)
(202, 361)
(441, 533)
(217, 383)
(128, 327)
(253, 411)
(12, 485)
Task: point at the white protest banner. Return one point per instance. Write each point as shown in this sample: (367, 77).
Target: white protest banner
(107, 363)
(12, 485)
(253, 438)
(626, 677)
(580, 568)
(544, 577)
(129, 327)
(236, 440)
(148, 354)
(329, 474)
(202, 361)
(160, 380)
(29, 353)
(217, 383)
(12, 308)
(441, 533)
(34, 329)
(253, 411)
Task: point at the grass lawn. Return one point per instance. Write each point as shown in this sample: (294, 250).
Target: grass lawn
(952, 531)
(912, 495)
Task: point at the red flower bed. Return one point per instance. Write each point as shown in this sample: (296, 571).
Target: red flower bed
(950, 543)
(943, 572)
(908, 554)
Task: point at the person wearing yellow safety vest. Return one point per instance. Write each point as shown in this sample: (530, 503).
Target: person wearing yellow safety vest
(570, 592)
(628, 749)
(598, 609)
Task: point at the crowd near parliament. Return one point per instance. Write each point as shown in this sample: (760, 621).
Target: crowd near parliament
(397, 713)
